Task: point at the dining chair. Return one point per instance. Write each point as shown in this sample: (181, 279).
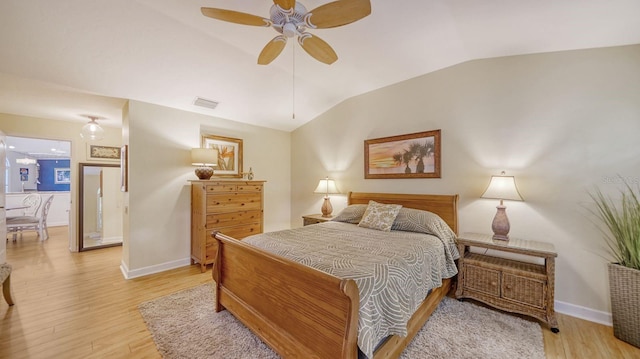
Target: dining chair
(32, 201)
(43, 230)
(38, 223)
(29, 208)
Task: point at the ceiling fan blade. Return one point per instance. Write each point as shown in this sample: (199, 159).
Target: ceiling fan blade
(317, 48)
(272, 50)
(235, 17)
(338, 13)
(285, 4)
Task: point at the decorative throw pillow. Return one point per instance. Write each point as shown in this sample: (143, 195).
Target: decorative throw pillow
(352, 214)
(379, 216)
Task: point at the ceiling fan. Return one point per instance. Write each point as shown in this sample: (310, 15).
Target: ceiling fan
(290, 18)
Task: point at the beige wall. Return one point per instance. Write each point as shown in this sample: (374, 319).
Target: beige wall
(160, 140)
(562, 123)
(22, 126)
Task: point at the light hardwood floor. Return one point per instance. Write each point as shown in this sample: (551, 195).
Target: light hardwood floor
(78, 305)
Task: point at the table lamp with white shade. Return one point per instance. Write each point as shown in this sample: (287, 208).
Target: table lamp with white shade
(327, 186)
(205, 159)
(503, 188)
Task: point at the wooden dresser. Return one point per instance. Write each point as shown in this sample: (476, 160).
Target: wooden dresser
(233, 207)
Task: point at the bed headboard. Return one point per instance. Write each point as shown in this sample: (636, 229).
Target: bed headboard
(445, 206)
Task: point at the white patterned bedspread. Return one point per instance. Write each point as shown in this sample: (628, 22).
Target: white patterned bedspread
(394, 271)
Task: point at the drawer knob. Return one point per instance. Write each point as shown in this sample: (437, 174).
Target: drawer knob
(494, 284)
(509, 286)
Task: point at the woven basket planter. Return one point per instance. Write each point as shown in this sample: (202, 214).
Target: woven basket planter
(624, 286)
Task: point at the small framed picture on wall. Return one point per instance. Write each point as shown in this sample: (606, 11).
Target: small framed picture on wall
(61, 175)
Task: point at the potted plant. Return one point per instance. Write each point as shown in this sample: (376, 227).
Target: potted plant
(621, 220)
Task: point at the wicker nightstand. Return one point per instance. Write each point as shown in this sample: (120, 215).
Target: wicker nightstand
(508, 284)
(314, 218)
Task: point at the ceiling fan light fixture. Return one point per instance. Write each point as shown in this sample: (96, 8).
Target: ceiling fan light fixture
(92, 130)
(290, 30)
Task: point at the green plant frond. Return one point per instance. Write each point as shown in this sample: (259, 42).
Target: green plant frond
(622, 223)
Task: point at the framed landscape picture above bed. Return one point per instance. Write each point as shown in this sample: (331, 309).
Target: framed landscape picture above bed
(229, 155)
(415, 155)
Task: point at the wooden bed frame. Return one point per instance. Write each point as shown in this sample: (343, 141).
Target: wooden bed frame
(303, 312)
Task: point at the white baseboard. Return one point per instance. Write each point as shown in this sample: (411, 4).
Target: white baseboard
(130, 274)
(112, 240)
(589, 314)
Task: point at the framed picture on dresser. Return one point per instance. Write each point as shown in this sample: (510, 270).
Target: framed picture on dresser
(229, 155)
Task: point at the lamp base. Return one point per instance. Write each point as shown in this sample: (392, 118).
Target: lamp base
(327, 208)
(500, 225)
(204, 173)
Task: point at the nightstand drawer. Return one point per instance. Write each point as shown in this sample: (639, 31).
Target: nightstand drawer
(314, 219)
(524, 290)
(482, 280)
(308, 221)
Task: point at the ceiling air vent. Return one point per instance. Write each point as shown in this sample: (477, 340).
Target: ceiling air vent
(203, 102)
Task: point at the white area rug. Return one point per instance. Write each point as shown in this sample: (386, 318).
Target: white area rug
(184, 325)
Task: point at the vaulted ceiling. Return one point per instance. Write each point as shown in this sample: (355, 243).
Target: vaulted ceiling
(61, 59)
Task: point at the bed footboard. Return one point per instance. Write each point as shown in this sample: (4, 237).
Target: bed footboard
(297, 310)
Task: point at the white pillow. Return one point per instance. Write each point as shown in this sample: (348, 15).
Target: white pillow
(379, 216)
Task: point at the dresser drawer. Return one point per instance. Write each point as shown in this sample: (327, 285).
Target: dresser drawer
(221, 188)
(239, 232)
(250, 188)
(482, 280)
(233, 202)
(232, 219)
(524, 290)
